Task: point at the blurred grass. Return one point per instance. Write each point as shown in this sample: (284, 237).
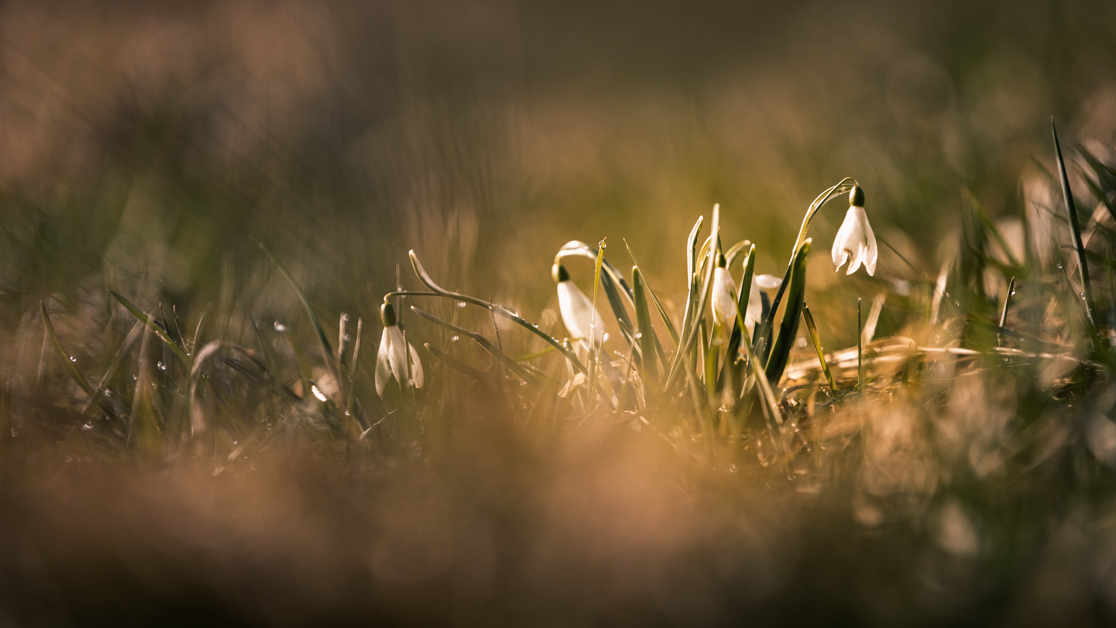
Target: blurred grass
(143, 148)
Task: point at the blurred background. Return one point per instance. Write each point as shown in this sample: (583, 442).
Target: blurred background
(143, 145)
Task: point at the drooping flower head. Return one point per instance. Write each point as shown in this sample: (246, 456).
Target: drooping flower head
(391, 361)
(855, 242)
(578, 312)
(724, 293)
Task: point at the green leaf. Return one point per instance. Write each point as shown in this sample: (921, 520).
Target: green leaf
(649, 358)
(788, 330)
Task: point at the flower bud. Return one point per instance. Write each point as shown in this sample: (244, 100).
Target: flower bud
(558, 272)
(856, 197)
(387, 315)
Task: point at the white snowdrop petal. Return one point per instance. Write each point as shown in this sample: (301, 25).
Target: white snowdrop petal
(383, 362)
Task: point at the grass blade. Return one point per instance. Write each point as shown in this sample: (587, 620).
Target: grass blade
(671, 331)
(780, 353)
(63, 357)
(1075, 228)
(485, 344)
(1004, 313)
(649, 358)
(114, 366)
(437, 290)
(327, 350)
(154, 327)
(816, 339)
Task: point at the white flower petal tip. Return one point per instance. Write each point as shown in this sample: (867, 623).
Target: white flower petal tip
(855, 243)
(768, 282)
(724, 296)
(578, 313)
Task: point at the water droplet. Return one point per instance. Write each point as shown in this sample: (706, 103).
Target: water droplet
(638, 335)
(73, 359)
(455, 338)
(461, 304)
(344, 316)
(162, 367)
(732, 468)
(87, 427)
(280, 326)
(348, 337)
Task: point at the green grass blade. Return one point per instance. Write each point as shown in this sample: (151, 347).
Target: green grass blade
(327, 350)
(1075, 229)
(64, 357)
(744, 293)
(780, 353)
(154, 327)
(114, 366)
(815, 338)
(1004, 314)
(671, 331)
(649, 358)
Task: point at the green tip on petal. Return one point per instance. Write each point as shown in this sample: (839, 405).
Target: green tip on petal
(721, 261)
(387, 315)
(856, 197)
(559, 273)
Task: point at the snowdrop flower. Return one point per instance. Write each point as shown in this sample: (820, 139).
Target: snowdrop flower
(391, 361)
(576, 308)
(724, 293)
(855, 238)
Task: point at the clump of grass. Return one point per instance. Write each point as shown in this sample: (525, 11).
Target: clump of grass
(967, 437)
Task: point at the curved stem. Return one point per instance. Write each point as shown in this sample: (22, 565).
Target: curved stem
(496, 309)
(842, 186)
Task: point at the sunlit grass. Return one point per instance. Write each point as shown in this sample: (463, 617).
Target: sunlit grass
(692, 444)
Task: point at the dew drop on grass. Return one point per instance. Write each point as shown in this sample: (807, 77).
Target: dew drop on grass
(455, 338)
(87, 427)
(461, 304)
(638, 335)
(280, 326)
(162, 367)
(73, 359)
(344, 316)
